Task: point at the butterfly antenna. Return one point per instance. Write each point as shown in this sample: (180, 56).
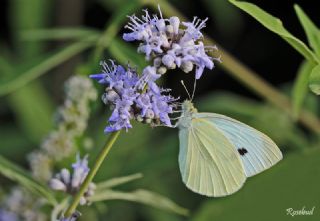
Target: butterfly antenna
(186, 89)
(194, 88)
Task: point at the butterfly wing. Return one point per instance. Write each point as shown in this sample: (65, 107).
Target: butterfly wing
(258, 152)
(208, 162)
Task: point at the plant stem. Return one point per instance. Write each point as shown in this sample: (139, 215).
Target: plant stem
(102, 155)
(248, 77)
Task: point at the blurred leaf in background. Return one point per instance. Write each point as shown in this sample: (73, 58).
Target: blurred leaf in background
(26, 114)
(32, 105)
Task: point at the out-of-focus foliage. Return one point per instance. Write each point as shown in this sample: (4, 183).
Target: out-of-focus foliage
(314, 80)
(309, 75)
(275, 25)
(310, 29)
(17, 174)
(300, 88)
(28, 100)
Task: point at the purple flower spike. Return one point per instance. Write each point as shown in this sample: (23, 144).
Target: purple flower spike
(170, 43)
(71, 182)
(133, 97)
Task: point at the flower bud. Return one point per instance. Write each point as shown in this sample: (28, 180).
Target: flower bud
(168, 61)
(162, 70)
(110, 96)
(175, 22)
(65, 175)
(149, 114)
(157, 62)
(186, 66)
(169, 29)
(56, 184)
(139, 118)
(83, 201)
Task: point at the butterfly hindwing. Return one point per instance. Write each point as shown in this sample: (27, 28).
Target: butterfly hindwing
(209, 163)
(257, 151)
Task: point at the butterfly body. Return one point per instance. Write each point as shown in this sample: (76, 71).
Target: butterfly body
(218, 153)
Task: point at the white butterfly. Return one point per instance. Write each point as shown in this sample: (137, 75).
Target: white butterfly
(218, 153)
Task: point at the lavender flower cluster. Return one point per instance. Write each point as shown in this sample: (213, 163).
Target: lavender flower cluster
(169, 44)
(19, 204)
(70, 183)
(134, 97)
(72, 120)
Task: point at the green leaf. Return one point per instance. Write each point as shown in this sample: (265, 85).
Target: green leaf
(31, 105)
(314, 80)
(25, 15)
(311, 30)
(58, 34)
(45, 65)
(118, 181)
(300, 87)
(15, 139)
(33, 110)
(141, 196)
(15, 173)
(275, 25)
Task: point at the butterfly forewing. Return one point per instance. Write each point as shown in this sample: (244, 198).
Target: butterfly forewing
(209, 163)
(257, 151)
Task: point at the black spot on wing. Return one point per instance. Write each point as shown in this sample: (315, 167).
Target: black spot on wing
(242, 151)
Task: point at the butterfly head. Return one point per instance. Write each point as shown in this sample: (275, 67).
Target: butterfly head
(188, 108)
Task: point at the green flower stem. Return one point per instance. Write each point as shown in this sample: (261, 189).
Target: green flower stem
(248, 77)
(102, 155)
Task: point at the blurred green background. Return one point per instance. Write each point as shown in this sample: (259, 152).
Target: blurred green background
(35, 61)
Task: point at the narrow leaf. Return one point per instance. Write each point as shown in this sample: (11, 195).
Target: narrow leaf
(300, 87)
(118, 181)
(311, 30)
(32, 105)
(45, 65)
(15, 173)
(275, 25)
(144, 197)
(57, 34)
(314, 80)
(33, 110)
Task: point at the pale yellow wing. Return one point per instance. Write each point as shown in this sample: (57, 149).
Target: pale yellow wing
(258, 152)
(209, 164)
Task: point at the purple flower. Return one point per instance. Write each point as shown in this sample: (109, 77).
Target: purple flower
(155, 105)
(193, 28)
(70, 183)
(80, 171)
(134, 98)
(6, 215)
(170, 43)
